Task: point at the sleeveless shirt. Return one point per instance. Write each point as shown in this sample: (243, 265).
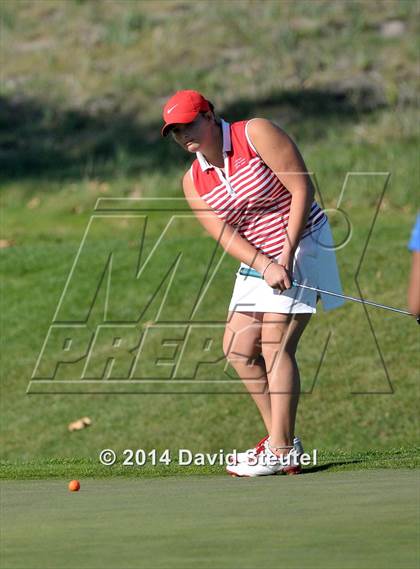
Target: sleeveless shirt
(247, 194)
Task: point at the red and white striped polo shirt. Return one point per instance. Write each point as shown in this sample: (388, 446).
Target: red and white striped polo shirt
(247, 194)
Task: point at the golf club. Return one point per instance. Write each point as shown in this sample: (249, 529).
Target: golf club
(253, 273)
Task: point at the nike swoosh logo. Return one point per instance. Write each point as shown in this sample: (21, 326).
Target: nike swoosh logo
(171, 109)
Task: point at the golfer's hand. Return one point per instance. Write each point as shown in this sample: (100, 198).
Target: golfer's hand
(278, 277)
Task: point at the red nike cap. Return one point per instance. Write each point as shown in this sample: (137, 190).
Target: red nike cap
(183, 107)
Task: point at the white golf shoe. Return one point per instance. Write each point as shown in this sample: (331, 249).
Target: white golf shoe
(251, 452)
(266, 463)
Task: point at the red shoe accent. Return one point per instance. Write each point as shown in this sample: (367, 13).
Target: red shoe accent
(259, 447)
(292, 470)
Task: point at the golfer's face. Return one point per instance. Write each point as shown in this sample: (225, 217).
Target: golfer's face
(191, 135)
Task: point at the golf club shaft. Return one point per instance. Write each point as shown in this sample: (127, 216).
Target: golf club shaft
(254, 273)
(354, 299)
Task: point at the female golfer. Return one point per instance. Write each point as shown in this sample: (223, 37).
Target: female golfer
(249, 188)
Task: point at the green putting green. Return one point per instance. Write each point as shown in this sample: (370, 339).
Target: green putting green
(322, 520)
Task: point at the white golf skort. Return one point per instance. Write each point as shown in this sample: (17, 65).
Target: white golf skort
(314, 265)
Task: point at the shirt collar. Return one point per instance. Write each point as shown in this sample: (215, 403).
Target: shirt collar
(227, 146)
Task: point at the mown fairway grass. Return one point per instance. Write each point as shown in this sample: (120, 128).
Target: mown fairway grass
(86, 126)
(346, 520)
(83, 468)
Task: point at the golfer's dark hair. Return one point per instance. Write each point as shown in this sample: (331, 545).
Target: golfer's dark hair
(216, 116)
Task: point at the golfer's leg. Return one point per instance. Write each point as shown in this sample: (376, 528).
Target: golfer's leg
(280, 335)
(242, 347)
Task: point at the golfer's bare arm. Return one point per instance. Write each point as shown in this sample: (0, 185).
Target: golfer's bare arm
(414, 285)
(282, 156)
(222, 231)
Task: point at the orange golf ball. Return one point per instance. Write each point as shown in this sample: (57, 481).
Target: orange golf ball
(74, 486)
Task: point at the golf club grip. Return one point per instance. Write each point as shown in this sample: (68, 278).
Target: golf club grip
(253, 273)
